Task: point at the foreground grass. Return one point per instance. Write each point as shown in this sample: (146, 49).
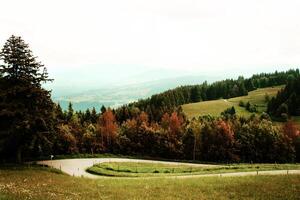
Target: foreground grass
(215, 107)
(38, 183)
(136, 169)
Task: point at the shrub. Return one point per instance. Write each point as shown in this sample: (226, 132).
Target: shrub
(267, 98)
(229, 111)
(242, 103)
(250, 107)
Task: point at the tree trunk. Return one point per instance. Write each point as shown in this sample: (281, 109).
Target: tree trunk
(19, 155)
(194, 150)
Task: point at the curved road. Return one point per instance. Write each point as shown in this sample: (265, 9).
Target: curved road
(77, 167)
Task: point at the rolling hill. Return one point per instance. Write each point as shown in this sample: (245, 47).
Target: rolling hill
(215, 107)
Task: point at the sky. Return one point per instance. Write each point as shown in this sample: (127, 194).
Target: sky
(83, 42)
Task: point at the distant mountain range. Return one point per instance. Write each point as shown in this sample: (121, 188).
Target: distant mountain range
(118, 95)
(114, 85)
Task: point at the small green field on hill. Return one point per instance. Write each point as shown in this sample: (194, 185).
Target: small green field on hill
(133, 169)
(141, 169)
(215, 107)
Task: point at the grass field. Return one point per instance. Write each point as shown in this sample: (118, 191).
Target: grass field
(215, 107)
(37, 183)
(135, 169)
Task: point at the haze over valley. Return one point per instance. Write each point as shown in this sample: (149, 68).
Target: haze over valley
(157, 99)
(115, 86)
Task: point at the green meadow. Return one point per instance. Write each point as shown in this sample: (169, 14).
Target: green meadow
(140, 169)
(215, 107)
(41, 183)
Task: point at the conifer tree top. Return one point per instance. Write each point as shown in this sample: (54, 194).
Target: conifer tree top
(20, 64)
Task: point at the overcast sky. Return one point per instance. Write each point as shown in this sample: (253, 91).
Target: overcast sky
(205, 36)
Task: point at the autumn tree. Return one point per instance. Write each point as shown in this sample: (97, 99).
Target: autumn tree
(26, 119)
(143, 118)
(108, 128)
(173, 128)
(192, 140)
(175, 123)
(165, 121)
(89, 140)
(66, 142)
(128, 136)
(218, 141)
(289, 129)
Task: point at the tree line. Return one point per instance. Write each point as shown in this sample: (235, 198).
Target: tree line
(32, 126)
(227, 138)
(167, 101)
(287, 101)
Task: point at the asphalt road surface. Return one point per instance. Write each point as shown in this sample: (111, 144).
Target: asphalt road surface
(77, 167)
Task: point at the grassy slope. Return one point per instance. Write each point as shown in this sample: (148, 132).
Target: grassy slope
(41, 184)
(132, 169)
(215, 107)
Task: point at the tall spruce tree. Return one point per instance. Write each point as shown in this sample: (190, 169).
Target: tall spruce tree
(70, 112)
(26, 109)
(195, 94)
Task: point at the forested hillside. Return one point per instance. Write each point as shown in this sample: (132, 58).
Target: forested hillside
(287, 101)
(167, 101)
(32, 126)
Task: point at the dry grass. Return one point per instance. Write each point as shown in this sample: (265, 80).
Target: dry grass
(41, 184)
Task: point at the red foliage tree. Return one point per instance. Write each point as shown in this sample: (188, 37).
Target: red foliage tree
(289, 129)
(173, 129)
(225, 132)
(175, 124)
(108, 128)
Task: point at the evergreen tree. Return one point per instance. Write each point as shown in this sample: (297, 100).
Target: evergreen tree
(70, 112)
(229, 112)
(87, 115)
(94, 115)
(59, 113)
(195, 94)
(103, 109)
(26, 109)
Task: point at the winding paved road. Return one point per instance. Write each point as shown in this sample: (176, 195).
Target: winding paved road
(77, 167)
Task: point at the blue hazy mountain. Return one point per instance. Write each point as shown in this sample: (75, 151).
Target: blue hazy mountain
(115, 85)
(114, 96)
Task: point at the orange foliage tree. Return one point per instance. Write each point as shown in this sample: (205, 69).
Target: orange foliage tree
(173, 128)
(108, 128)
(289, 129)
(143, 118)
(175, 124)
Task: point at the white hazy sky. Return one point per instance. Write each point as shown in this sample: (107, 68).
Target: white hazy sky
(207, 36)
